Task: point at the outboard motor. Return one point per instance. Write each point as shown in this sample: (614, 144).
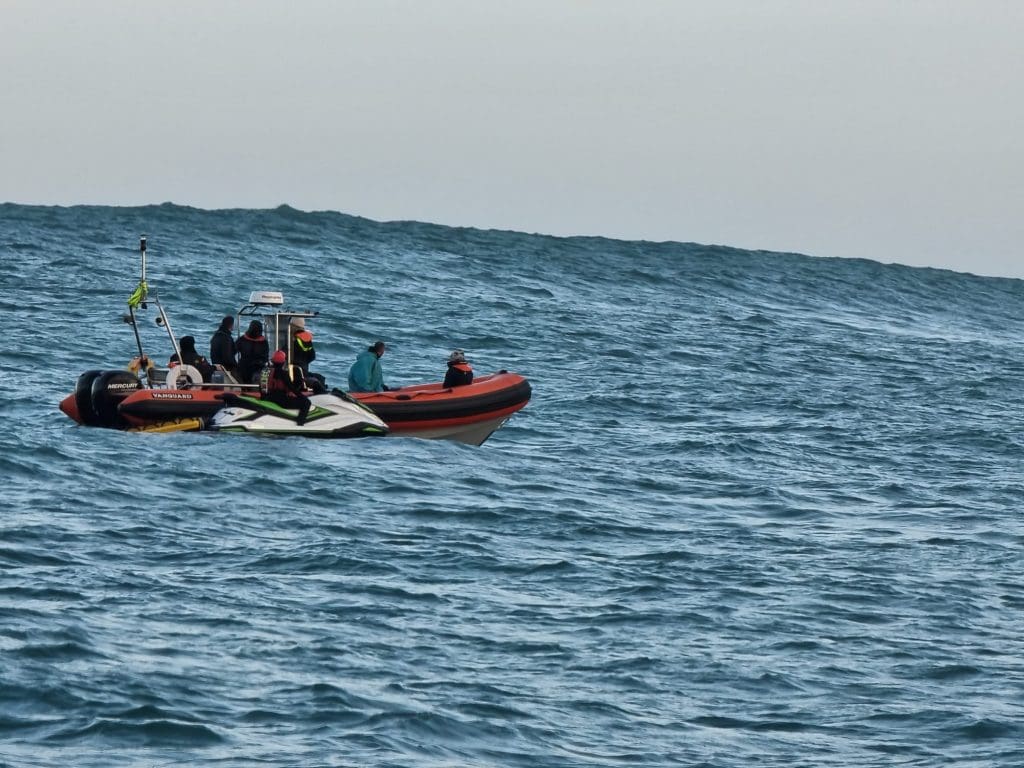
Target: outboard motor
(109, 388)
(83, 398)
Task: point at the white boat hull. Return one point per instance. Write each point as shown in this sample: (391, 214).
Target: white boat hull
(471, 434)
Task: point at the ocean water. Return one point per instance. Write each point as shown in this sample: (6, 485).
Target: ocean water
(763, 509)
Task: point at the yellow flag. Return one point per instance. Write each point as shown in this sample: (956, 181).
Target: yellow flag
(138, 296)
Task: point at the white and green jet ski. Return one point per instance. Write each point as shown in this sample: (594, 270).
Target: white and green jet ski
(331, 415)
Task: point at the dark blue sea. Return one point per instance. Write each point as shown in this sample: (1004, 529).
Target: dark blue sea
(764, 509)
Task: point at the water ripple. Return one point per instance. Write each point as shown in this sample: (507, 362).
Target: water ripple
(763, 509)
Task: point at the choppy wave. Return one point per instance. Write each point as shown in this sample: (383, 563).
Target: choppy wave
(763, 509)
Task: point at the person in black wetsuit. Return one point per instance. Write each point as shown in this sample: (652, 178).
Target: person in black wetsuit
(253, 353)
(189, 356)
(222, 345)
(283, 387)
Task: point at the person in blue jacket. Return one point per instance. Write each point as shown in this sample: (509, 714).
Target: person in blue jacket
(366, 374)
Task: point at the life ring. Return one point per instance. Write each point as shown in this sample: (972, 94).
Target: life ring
(183, 377)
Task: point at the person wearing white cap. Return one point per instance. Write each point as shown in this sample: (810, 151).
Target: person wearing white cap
(459, 372)
(302, 344)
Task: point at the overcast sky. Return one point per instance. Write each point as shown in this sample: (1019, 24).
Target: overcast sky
(886, 130)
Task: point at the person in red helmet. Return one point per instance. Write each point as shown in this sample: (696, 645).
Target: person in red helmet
(283, 385)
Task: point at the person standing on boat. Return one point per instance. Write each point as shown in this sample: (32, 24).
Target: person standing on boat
(253, 353)
(303, 354)
(283, 387)
(459, 371)
(222, 346)
(189, 356)
(302, 344)
(366, 374)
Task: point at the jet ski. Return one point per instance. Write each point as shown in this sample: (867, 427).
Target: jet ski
(334, 415)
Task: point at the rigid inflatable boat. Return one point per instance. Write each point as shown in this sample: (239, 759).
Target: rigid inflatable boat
(155, 399)
(467, 414)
